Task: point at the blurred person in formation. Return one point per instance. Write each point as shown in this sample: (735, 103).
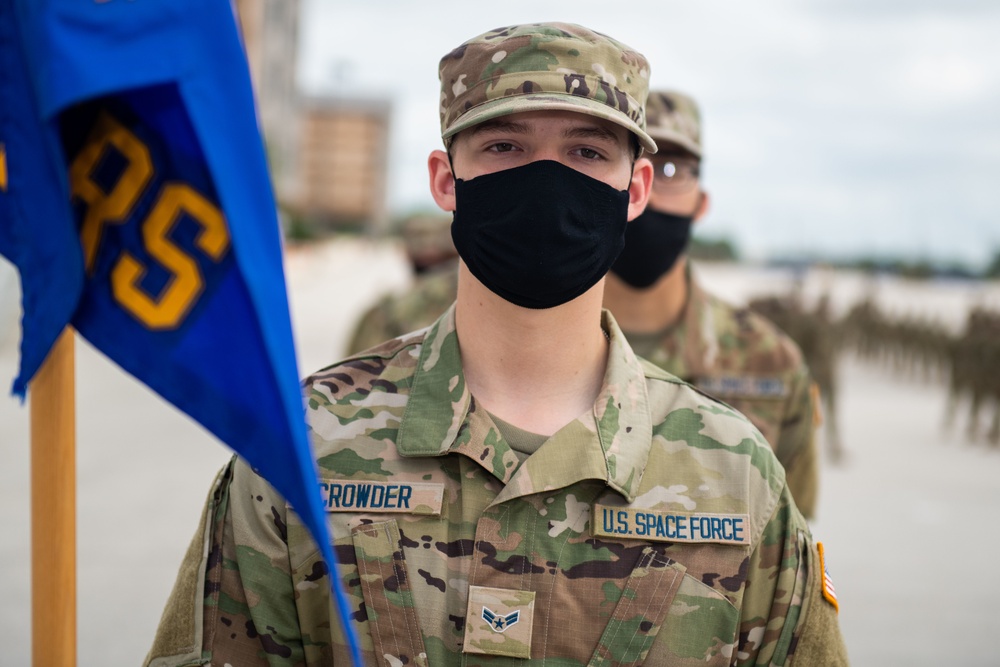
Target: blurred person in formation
(821, 337)
(671, 320)
(431, 252)
(821, 346)
(512, 484)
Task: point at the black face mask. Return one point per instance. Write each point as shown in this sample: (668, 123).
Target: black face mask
(654, 242)
(538, 235)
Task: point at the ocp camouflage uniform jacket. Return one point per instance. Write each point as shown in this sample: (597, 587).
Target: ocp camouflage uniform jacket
(654, 530)
(743, 359)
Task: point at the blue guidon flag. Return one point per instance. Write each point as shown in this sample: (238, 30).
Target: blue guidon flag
(135, 203)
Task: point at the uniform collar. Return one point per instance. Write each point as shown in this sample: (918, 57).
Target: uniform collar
(610, 443)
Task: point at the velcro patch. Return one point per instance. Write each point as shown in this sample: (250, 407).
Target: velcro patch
(829, 592)
(816, 396)
(498, 622)
(398, 497)
(742, 386)
(659, 526)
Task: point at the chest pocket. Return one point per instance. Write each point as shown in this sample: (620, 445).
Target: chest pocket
(628, 632)
(640, 612)
(385, 583)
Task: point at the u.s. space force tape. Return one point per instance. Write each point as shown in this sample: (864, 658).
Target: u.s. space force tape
(666, 526)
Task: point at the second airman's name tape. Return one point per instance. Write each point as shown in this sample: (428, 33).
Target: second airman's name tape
(661, 526)
(737, 386)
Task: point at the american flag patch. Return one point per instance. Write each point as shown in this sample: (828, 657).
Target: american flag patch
(829, 592)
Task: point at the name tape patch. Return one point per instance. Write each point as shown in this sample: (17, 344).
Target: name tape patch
(742, 386)
(401, 497)
(659, 526)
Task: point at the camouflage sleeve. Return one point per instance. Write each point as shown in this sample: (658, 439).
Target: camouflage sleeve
(797, 446)
(247, 611)
(785, 614)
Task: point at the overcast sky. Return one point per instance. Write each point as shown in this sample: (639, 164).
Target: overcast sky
(834, 126)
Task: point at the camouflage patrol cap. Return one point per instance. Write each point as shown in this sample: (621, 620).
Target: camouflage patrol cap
(544, 66)
(673, 118)
(428, 241)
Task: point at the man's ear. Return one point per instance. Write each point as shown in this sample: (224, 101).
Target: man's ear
(640, 187)
(442, 181)
(702, 207)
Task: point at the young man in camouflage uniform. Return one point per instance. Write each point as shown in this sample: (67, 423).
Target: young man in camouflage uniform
(671, 320)
(512, 485)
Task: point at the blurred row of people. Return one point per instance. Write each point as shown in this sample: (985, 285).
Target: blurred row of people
(969, 361)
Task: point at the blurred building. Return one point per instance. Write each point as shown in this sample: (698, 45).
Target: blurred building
(328, 155)
(271, 37)
(343, 163)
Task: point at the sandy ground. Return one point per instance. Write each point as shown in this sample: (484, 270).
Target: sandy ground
(909, 520)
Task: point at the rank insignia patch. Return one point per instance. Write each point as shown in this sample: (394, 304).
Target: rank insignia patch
(500, 622)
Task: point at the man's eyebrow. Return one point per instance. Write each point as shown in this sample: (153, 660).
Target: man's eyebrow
(508, 126)
(591, 132)
(586, 131)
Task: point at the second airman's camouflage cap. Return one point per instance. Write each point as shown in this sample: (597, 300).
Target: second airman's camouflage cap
(427, 239)
(544, 66)
(673, 118)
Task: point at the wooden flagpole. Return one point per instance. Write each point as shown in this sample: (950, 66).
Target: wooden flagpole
(53, 507)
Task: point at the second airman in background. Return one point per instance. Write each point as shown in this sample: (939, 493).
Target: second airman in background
(672, 321)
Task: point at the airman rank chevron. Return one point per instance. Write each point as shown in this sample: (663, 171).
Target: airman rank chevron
(399, 497)
(742, 386)
(635, 523)
(500, 622)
